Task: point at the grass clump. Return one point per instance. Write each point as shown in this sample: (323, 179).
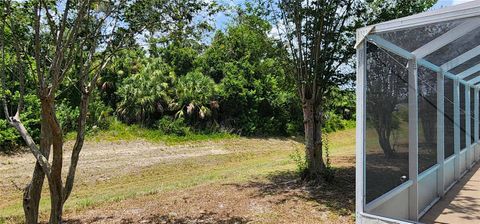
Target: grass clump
(168, 132)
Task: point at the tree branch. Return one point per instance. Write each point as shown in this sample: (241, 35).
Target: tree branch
(41, 159)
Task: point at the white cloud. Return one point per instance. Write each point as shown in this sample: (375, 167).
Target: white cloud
(456, 2)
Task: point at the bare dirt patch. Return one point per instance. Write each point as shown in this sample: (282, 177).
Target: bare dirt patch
(100, 161)
(277, 198)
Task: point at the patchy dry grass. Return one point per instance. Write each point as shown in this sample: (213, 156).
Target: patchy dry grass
(236, 180)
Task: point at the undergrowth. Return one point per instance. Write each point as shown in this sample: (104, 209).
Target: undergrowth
(118, 131)
(300, 160)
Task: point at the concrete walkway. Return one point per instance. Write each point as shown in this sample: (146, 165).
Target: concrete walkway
(461, 204)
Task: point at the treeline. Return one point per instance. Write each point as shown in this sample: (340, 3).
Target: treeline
(239, 82)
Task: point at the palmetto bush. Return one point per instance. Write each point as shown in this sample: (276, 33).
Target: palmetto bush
(195, 93)
(146, 93)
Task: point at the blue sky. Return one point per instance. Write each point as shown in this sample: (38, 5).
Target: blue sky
(222, 19)
(444, 3)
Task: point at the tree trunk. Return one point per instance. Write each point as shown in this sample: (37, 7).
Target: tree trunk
(384, 141)
(33, 191)
(384, 126)
(56, 186)
(313, 139)
(55, 181)
(77, 147)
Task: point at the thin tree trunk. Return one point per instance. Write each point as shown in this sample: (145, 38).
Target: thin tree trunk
(56, 186)
(33, 191)
(313, 139)
(55, 182)
(77, 147)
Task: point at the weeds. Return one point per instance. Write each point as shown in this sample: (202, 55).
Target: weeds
(118, 131)
(300, 161)
(85, 203)
(328, 173)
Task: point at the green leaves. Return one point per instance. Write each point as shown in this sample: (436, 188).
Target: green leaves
(142, 93)
(379, 10)
(254, 92)
(180, 21)
(194, 92)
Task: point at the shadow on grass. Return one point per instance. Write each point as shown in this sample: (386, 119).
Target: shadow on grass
(338, 196)
(207, 218)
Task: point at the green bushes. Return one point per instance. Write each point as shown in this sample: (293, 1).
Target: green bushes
(146, 94)
(240, 82)
(335, 122)
(67, 116)
(9, 137)
(97, 117)
(170, 126)
(194, 93)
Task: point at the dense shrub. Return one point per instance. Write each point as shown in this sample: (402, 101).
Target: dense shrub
(97, 117)
(335, 122)
(168, 125)
(241, 82)
(98, 113)
(339, 111)
(9, 137)
(194, 93)
(125, 64)
(145, 95)
(67, 116)
(256, 96)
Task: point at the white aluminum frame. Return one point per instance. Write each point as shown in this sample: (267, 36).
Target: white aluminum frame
(461, 59)
(448, 37)
(447, 171)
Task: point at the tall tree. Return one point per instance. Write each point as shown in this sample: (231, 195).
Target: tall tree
(165, 22)
(320, 35)
(255, 96)
(74, 39)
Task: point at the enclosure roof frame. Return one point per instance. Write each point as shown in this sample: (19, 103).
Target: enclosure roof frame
(469, 11)
(461, 11)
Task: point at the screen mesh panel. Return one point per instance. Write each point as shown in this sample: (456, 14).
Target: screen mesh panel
(413, 38)
(466, 65)
(387, 122)
(427, 118)
(462, 117)
(449, 142)
(455, 48)
(472, 115)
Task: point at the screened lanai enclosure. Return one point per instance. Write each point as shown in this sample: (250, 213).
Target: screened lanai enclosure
(418, 81)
